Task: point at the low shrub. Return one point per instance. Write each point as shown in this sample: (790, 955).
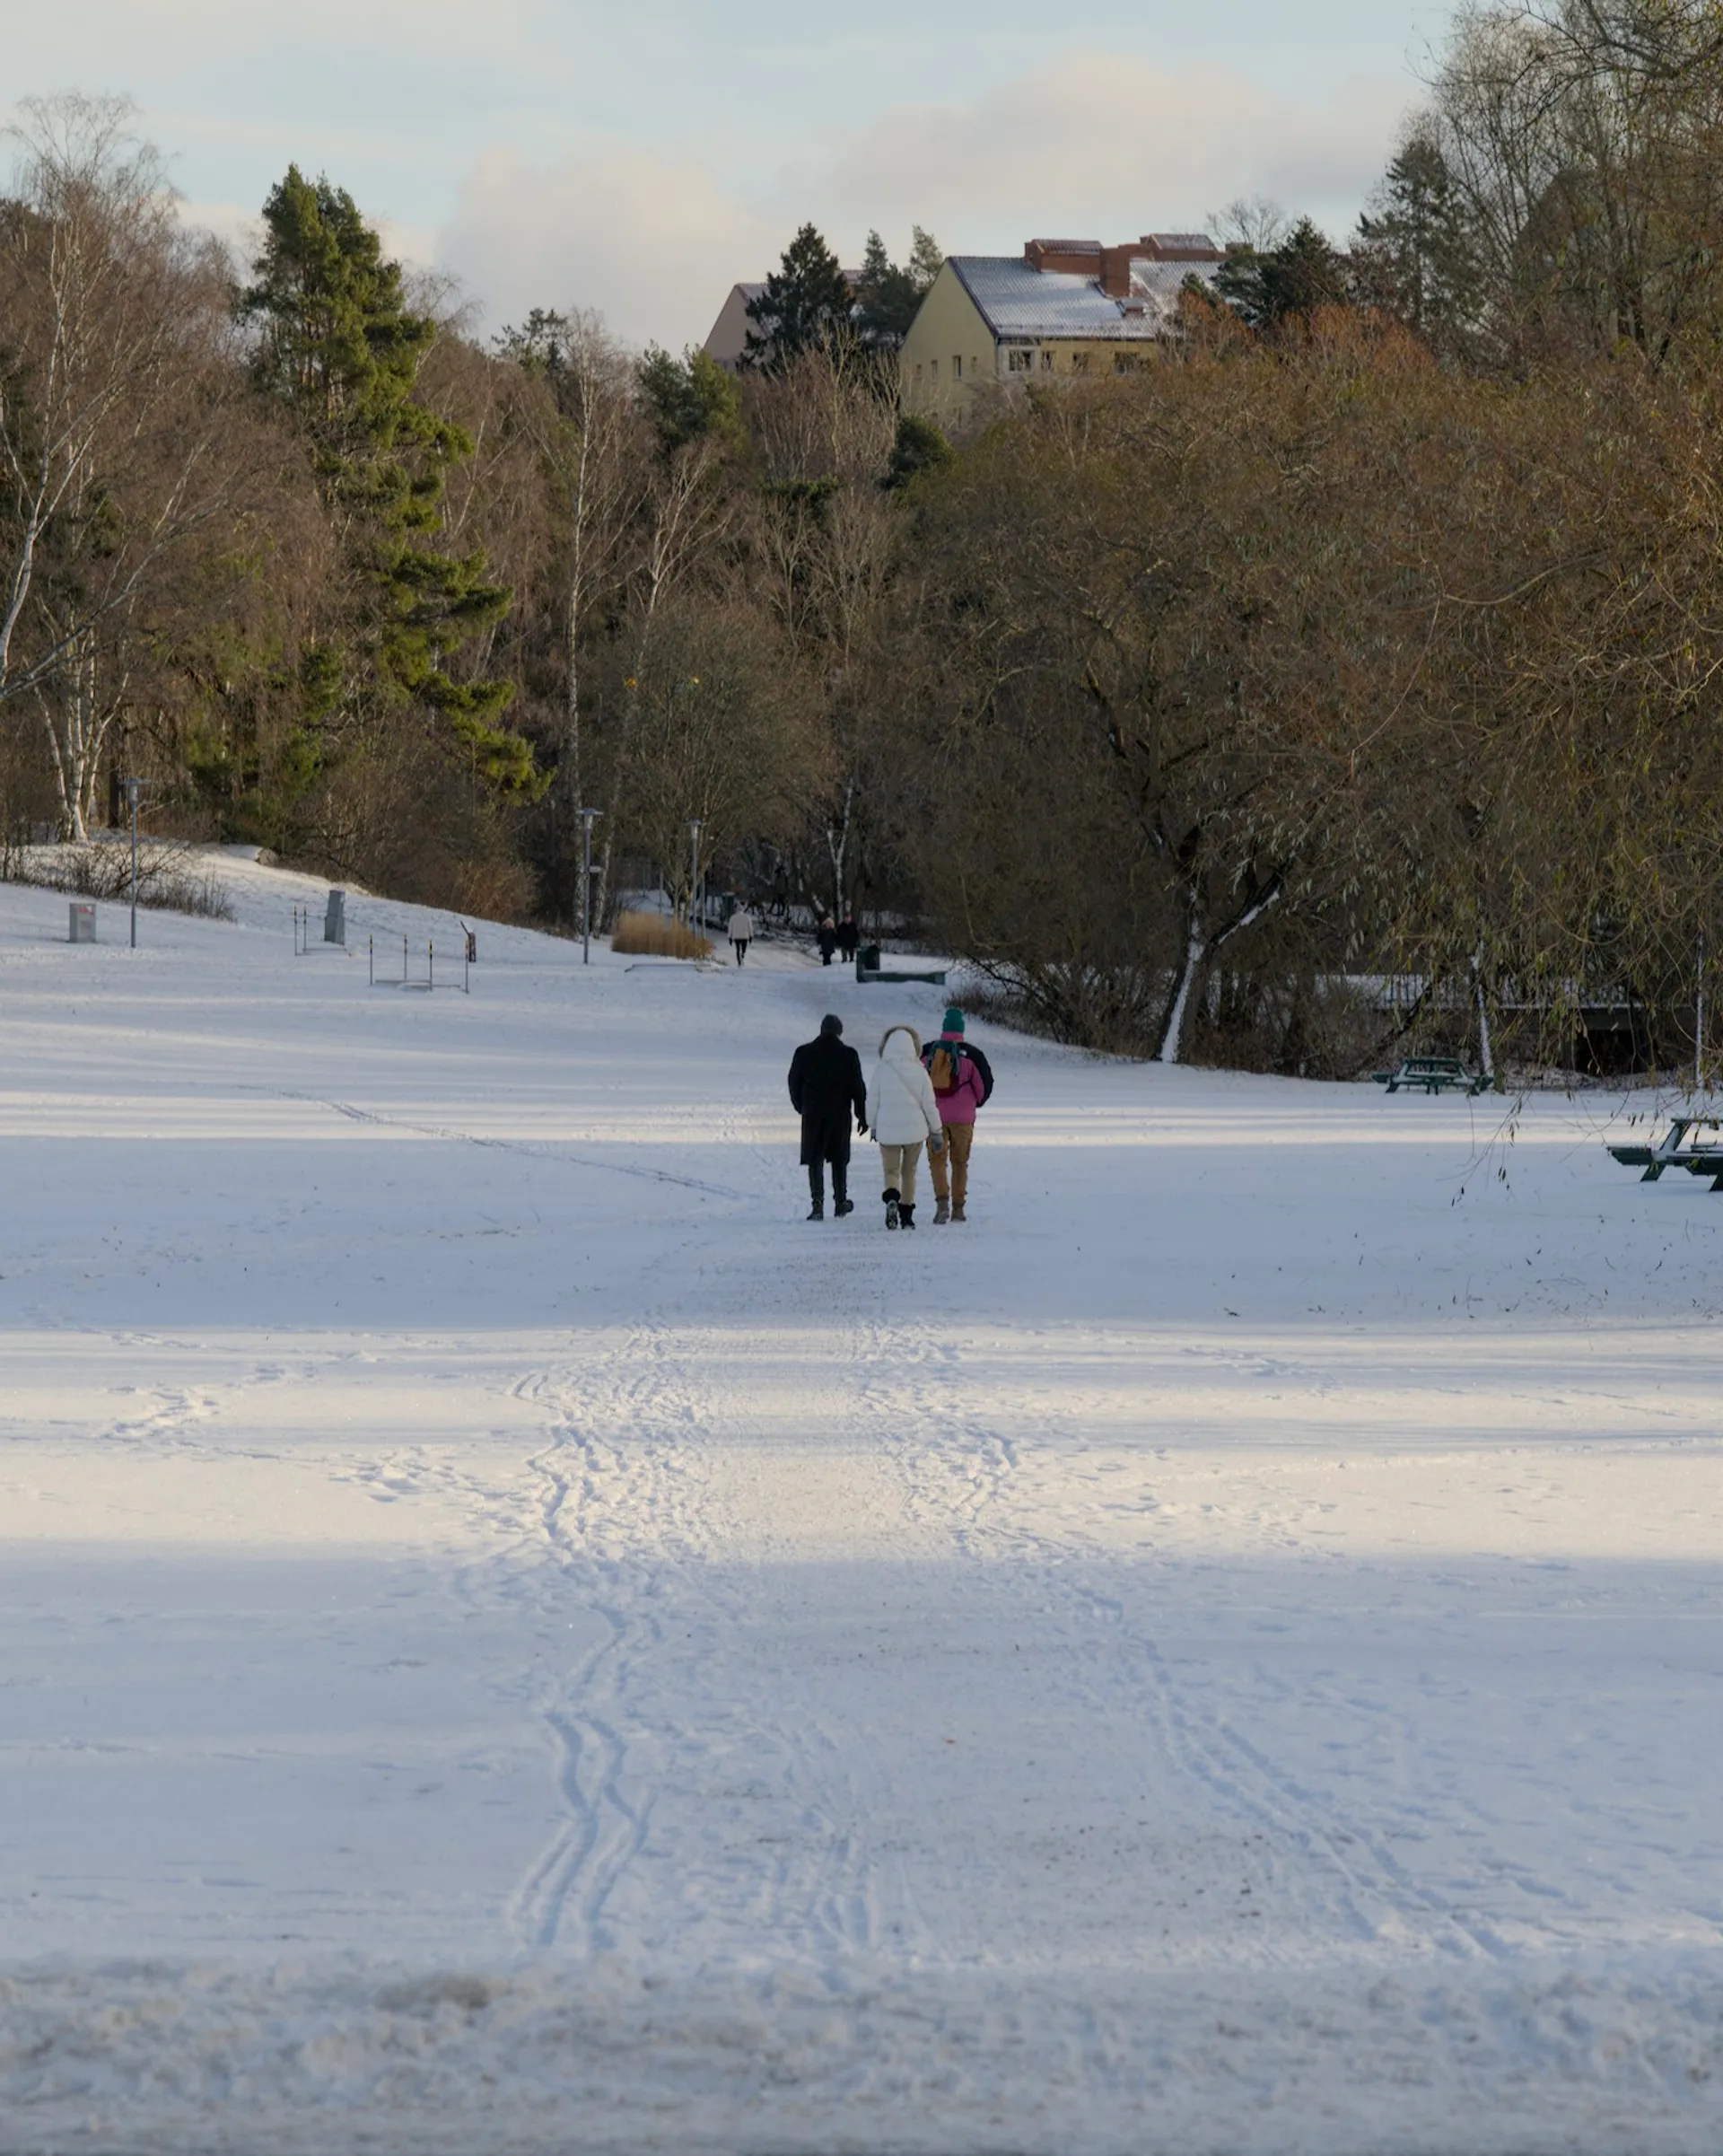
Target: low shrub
(171, 875)
(657, 936)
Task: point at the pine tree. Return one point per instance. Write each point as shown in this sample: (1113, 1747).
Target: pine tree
(689, 398)
(806, 306)
(1416, 256)
(339, 347)
(925, 259)
(888, 294)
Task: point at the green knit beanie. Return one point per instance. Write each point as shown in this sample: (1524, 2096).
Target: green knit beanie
(954, 1019)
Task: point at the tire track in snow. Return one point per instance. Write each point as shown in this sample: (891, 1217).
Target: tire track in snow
(963, 1482)
(634, 1520)
(563, 1153)
(562, 1900)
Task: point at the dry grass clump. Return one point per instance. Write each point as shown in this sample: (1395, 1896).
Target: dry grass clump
(656, 935)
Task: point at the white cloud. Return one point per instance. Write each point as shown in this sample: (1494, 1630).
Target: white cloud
(652, 241)
(1094, 145)
(1102, 146)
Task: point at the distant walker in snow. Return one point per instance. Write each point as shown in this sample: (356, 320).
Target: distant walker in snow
(963, 1084)
(742, 932)
(825, 1090)
(905, 1116)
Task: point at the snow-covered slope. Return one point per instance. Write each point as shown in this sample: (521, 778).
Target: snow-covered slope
(513, 1639)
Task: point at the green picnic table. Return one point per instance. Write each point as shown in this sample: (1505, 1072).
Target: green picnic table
(869, 967)
(1672, 1150)
(1431, 1074)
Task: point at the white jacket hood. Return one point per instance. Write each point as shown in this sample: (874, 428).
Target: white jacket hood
(901, 1108)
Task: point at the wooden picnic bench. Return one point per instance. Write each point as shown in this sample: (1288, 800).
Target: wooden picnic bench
(1431, 1074)
(869, 969)
(1672, 1150)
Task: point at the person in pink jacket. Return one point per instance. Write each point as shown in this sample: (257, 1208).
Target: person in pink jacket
(962, 1081)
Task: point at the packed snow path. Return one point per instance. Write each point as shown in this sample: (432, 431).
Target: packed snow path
(514, 1640)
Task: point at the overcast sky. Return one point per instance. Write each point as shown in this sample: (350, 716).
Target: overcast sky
(641, 156)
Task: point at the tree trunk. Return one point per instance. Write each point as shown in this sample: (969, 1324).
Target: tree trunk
(78, 730)
(1172, 1032)
(1199, 949)
(837, 843)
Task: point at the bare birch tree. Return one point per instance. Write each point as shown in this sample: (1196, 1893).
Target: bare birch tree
(111, 321)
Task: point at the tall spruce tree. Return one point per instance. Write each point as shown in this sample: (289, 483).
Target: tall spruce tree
(806, 306)
(339, 347)
(1416, 256)
(1277, 284)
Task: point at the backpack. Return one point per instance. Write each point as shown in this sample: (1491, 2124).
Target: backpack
(944, 1067)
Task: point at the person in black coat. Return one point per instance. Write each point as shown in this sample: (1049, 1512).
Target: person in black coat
(827, 1087)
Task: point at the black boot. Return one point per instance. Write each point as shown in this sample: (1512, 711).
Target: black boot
(816, 1190)
(905, 1216)
(891, 1209)
(840, 1192)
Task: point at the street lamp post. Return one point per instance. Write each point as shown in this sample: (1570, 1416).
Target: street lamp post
(131, 796)
(694, 881)
(588, 816)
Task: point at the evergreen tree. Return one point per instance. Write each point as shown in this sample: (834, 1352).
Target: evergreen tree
(925, 259)
(919, 447)
(340, 348)
(538, 345)
(806, 306)
(1281, 283)
(888, 294)
(689, 398)
(1240, 282)
(1416, 255)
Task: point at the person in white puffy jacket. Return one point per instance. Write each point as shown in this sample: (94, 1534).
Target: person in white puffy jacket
(903, 1116)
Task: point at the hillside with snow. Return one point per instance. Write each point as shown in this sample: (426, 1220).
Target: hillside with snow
(515, 1640)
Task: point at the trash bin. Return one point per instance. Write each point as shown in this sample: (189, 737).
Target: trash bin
(867, 960)
(335, 918)
(84, 921)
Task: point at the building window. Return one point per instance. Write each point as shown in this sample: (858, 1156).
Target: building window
(1079, 362)
(933, 370)
(1021, 360)
(918, 370)
(1127, 363)
(957, 368)
(1046, 362)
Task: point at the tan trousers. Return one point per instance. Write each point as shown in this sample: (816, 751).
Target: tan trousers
(898, 1163)
(959, 1138)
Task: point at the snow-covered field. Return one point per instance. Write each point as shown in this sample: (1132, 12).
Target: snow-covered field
(511, 1640)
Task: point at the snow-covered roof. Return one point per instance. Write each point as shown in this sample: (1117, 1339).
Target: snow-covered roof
(1016, 299)
(1160, 282)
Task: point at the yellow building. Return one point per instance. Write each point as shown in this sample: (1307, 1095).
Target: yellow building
(1066, 307)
